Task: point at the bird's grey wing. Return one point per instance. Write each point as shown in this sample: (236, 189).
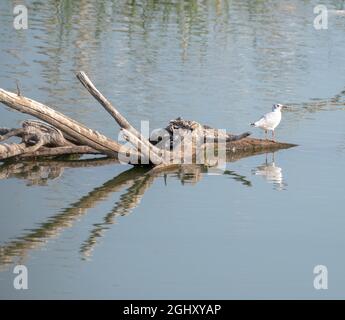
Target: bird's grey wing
(270, 119)
(261, 121)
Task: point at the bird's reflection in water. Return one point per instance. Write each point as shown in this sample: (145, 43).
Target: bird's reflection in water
(271, 173)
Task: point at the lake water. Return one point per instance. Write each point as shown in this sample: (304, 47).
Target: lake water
(97, 230)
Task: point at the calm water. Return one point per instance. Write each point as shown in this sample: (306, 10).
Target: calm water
(103, 230)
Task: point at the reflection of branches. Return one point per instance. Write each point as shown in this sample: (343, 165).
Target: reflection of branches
(238, 177)
(39, 172)
(34, 173)
(190, 174)
(54, 226)
(136, 182)
(138, 186)
(128, 201)
(132, 197)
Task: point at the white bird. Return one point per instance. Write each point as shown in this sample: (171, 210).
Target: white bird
(271, 120)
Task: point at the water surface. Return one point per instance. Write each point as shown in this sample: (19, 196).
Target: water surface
(101, 230)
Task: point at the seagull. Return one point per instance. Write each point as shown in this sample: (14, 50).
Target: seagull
(270, 120)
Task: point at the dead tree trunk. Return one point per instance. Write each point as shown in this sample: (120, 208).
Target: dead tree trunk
(68, 126)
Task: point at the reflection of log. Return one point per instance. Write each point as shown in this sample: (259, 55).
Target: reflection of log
(127, 202)
(136, 182)
(54, 226)
(39, 172)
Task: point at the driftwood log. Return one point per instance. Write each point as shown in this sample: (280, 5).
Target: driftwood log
(55, 135)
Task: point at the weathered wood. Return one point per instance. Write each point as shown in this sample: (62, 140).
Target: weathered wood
(67, 136)
(253, 145)
(12, 150)
(180, 126)
(8, 133)
(58, 151)
(67, 125)
(35, 135)
(154, 152)
(21, 151)
(143, 149)
(4, 131)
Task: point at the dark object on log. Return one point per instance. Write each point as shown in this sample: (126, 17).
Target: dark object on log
(179, 127)
(204, 131)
